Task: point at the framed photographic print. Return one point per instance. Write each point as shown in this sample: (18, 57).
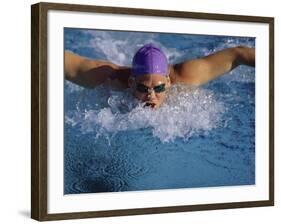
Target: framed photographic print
(139, 111)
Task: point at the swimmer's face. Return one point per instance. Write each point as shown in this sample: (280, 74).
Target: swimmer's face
(150, 89)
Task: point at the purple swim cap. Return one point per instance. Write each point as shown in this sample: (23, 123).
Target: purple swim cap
(149, 59)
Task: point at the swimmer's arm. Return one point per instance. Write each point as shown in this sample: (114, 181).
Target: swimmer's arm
(201, 71)
(87, 72)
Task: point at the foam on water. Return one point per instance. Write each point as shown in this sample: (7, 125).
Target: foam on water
(187, 111)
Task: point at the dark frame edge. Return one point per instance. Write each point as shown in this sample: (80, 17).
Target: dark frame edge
(38, 113)
(154, 12)
(271, 110)
(35, 191)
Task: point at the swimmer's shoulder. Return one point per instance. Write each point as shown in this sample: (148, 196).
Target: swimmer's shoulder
(183, 73)
(119, 78)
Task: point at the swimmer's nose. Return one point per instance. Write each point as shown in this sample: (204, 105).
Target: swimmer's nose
(150, 98)
(151, 94)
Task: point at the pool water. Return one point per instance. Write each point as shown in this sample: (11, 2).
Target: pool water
(200, 137)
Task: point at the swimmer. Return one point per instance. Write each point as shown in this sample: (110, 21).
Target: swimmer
(150, 75)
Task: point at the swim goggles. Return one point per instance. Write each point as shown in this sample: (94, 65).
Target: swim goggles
(144, 89)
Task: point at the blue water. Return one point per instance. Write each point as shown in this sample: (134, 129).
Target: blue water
(200, 137)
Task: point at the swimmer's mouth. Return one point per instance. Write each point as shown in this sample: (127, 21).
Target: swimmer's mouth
(149, 104)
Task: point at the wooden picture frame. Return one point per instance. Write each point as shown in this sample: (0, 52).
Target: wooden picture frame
(39, 110)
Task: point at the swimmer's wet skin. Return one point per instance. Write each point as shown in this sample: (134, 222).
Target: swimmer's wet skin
(151, 75)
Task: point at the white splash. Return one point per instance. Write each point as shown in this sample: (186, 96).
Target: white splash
(186, 112)
(120, 48)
